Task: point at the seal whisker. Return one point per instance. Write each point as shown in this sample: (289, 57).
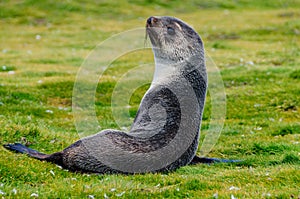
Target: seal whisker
(146, 37)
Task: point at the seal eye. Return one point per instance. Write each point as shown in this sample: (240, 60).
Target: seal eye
(170, 30)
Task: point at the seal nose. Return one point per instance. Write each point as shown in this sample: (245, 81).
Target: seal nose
(151, 21)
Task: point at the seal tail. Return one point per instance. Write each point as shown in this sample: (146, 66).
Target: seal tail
(204, 160)
(20, 148)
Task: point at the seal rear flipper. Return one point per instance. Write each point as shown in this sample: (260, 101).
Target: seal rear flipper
(204, 160)
(20, 148)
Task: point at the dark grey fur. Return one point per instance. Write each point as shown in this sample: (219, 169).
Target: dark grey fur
(173, 42)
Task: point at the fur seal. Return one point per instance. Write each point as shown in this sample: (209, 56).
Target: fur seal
(180, 78)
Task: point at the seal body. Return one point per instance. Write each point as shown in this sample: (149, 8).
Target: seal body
(164, 135)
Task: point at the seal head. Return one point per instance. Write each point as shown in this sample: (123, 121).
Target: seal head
(172, 39)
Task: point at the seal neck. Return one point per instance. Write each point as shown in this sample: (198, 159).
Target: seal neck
(163, 71)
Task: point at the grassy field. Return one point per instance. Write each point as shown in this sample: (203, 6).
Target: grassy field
(256, 45)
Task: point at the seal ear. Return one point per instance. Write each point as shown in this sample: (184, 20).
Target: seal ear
(178, 26)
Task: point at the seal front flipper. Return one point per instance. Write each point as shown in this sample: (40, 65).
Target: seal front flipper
(204, 160)
(20, 148)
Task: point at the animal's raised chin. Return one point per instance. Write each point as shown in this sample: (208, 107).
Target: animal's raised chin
(153, 28)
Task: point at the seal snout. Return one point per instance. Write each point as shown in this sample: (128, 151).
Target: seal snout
(151, 21)
(151, 30)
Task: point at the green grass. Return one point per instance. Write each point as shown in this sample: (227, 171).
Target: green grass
(254, 43)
